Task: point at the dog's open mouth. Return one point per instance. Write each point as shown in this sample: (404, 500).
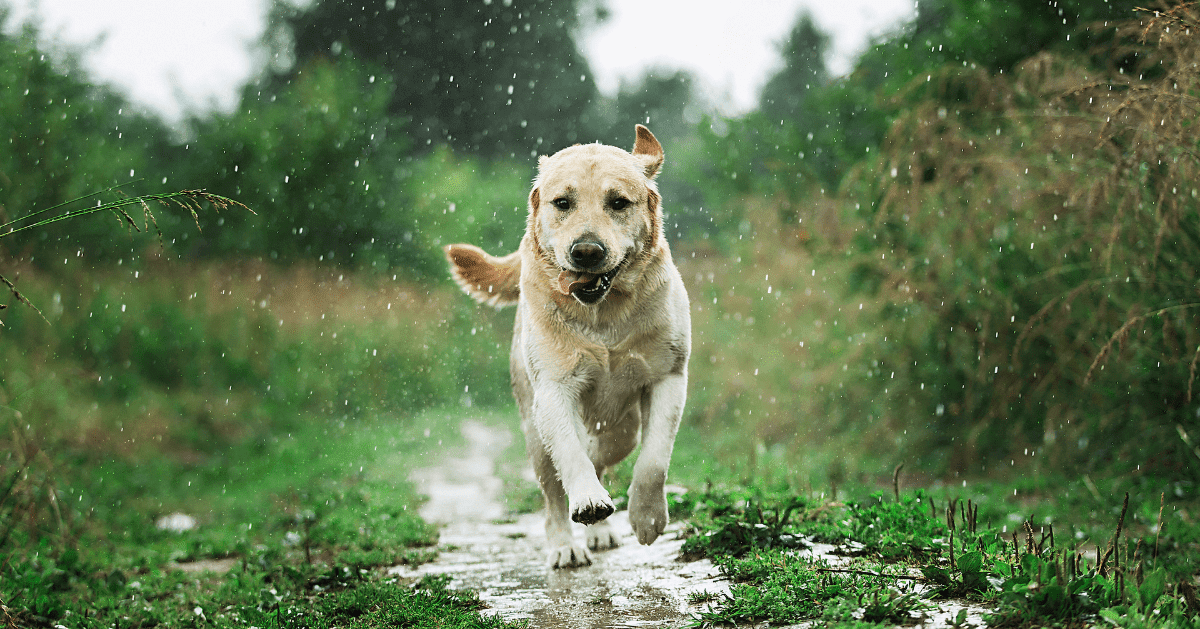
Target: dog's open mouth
(588, 288)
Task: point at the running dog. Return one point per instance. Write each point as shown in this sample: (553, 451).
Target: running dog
(601, 340)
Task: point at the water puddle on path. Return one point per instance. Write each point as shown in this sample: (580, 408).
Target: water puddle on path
(504, 559)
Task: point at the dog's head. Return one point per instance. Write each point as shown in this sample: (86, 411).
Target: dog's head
(594, 211)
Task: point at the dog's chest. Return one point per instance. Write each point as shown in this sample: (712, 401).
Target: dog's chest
(614, 389)
(628, 368)
(617, 379)
(630, 359)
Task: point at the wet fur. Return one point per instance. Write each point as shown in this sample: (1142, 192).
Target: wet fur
(592, 381)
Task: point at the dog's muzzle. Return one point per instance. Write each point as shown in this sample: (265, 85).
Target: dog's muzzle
(587, 288)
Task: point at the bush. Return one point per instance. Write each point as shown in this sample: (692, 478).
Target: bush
(323, 167)
(1036, 235)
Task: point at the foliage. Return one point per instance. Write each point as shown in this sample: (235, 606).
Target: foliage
(736, 523)
(208, 356)
(1082, 224)
(330, 174)
(733, 523)
(995, 36)
(322, 164)
(1006, 274)
(189, 200)
(491, 78)
(781, 588)
(804, 53)
(468, 200)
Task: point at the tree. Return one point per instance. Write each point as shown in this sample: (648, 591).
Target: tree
(803, 70)
(499, 78)
(993, 35)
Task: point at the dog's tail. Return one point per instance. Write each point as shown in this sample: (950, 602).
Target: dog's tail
(490, 280)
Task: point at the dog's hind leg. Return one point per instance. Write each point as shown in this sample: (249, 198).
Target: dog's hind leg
(600, 536)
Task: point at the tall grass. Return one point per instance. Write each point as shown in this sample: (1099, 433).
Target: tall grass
(784, 379)
(1041, 232)
(191, 358)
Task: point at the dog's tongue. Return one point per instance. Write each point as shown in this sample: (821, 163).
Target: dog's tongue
(569, 281)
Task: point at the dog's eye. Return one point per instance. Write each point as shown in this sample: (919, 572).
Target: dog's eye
(620, 203)
(562, 203)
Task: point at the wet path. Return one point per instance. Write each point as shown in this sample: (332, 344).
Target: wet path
(504, 560)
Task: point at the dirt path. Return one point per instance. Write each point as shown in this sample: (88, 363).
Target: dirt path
(504, 560)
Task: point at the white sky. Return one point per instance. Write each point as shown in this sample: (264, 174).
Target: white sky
(172, 55)
(732, 46)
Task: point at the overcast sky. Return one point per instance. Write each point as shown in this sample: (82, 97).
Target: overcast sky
(170, 55)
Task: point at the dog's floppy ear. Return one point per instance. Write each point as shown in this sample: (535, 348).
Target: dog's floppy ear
(649, 151)
(535, 198)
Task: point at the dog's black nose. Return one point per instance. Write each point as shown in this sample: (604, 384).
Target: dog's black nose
(587, 254)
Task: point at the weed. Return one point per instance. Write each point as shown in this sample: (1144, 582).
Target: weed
(190, 200)
(734, 523)
(735, 529)
(1037, 591)
(879, 606)
(905, 556)
(702, 596)
(780, 586)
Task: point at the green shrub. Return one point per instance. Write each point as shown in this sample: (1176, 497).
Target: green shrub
(1036, 259)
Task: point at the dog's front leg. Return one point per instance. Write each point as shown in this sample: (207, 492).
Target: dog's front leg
(560, 426)
(647, 493)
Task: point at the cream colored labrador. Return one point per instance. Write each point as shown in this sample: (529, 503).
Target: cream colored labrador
(601, 340)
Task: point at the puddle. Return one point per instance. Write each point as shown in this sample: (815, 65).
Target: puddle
(504, 560)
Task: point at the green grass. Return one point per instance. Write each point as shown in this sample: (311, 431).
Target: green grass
(1140, 577)
(309, 519)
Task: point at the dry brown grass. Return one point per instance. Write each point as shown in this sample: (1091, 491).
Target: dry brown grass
(301, 296)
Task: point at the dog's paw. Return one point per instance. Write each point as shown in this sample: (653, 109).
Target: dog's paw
(569, 556)
(600, 536)
(591, 508)
(647, 512)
